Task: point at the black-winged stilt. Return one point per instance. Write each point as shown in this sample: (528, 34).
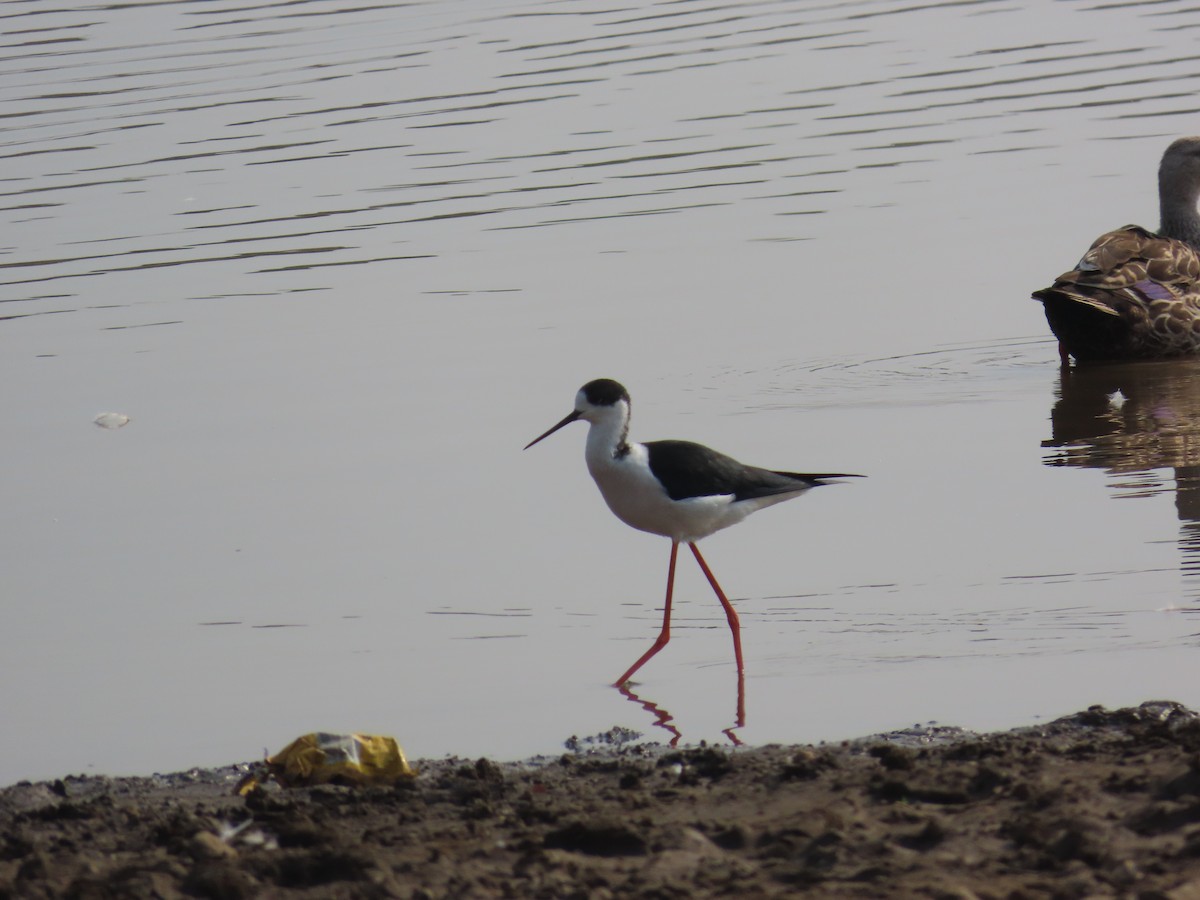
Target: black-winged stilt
(678, 489)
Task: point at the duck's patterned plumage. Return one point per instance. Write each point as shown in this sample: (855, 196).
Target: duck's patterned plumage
(1136, 294)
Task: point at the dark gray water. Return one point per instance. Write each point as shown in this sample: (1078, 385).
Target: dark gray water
(338, 264)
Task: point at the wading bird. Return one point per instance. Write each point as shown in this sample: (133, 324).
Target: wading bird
(678, 489)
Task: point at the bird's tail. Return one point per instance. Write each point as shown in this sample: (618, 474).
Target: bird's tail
(1056, 296)
(816, 480)
(1090, 323)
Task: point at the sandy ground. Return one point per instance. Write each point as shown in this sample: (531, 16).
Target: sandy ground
(1102, 803)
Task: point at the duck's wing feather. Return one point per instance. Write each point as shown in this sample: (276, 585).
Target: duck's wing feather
(1146, 289)
(688, 470)
(1131, 256)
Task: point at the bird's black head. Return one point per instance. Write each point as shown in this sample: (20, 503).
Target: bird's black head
(598, 400)
(604, 392)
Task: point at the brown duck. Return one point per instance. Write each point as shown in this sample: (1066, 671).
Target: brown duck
(1136, 294)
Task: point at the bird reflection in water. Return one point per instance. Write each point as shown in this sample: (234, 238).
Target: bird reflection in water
(1134, 420)
(663, 719)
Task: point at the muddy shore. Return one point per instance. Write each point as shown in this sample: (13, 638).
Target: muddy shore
(1101, 803)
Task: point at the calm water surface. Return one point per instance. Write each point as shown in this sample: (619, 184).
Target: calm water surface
(337, 265)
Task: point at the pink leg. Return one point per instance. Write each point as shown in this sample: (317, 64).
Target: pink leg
(665, 634)
(740, 720)
(730, 614)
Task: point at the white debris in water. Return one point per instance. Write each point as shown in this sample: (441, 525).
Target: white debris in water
(111, 420)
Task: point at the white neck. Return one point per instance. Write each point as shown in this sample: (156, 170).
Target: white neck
(607, 435)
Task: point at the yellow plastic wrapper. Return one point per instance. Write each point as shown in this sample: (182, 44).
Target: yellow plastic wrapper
(350, 759)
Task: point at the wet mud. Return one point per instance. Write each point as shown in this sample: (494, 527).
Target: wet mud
(1101, 803)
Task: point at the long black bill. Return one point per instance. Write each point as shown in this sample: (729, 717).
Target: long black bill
(575, 414)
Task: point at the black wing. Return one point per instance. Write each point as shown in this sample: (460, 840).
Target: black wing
(692, 470)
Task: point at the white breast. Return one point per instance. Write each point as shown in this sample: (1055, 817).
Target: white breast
(637, 499)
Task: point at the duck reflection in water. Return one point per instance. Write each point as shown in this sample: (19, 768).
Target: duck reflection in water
(1134, 420)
